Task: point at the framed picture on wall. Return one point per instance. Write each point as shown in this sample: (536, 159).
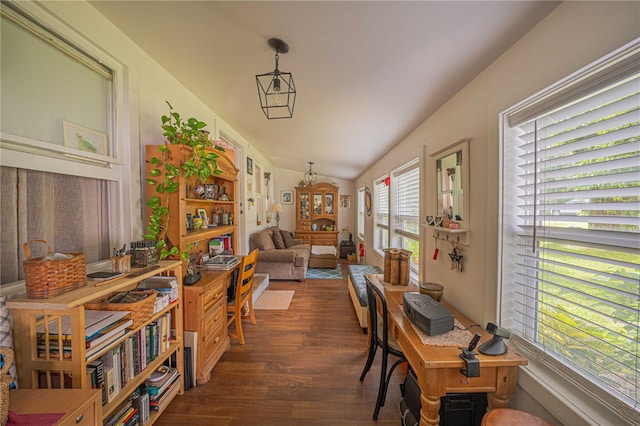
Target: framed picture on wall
(345, 201)
(286, 197)
(249, 165)
(83, 139)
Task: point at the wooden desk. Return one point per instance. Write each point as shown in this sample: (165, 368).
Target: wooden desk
(438, 367)
(205, 313)
(81, 406)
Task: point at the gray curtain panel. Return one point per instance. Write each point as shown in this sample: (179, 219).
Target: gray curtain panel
(71, 213)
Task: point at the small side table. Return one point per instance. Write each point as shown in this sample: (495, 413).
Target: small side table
(347, 247)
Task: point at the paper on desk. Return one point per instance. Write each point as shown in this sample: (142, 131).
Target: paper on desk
(455, 337)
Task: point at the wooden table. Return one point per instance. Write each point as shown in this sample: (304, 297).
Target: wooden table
(438, 368)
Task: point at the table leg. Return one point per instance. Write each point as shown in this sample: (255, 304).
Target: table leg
(497, 401)
(430, 411)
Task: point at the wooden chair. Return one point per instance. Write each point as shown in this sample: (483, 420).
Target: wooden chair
(243, 295)
(379, 338)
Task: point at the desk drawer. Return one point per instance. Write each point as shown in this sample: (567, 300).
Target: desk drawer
(213, 318)
(212, 297)
(84, 416)
(214, 346)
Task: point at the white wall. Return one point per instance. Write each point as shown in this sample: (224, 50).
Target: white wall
(572, 36)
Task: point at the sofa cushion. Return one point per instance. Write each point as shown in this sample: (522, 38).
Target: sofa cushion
(264, 241)
(287, 238)
(278, 241)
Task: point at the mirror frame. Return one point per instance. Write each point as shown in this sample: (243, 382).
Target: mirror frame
(461, 145)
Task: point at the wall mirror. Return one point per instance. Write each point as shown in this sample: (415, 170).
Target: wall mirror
(451, 168)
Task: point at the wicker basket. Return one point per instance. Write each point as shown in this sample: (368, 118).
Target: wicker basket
(141, 311)
(5, 382)
(50, 278)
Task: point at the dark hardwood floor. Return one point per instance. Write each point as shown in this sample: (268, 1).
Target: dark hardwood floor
(298, 367)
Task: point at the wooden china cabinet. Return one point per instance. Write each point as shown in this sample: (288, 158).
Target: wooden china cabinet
(317, 214)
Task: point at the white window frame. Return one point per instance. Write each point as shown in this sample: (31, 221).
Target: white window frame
(361, 213)
(34, 155)
(381, 214)
(553, 370)
(400, 237)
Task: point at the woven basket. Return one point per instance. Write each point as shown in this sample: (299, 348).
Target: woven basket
(50, 278)
(141, 311)
(5, 382)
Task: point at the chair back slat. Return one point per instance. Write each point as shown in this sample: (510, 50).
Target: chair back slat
(245, 277)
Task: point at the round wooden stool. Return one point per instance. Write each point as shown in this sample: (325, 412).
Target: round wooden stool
(510, 417)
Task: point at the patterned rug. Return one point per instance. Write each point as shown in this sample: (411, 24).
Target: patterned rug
(325, 274)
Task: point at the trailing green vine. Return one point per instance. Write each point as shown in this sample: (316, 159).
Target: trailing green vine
(164, 175)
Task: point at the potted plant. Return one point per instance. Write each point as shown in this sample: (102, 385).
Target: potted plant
(164, 174)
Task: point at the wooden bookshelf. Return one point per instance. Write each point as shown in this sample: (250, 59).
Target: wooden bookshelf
(30, 313)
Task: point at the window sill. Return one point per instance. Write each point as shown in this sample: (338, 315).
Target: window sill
(564, 399)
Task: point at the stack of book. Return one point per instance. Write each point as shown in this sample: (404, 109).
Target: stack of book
(221, 262)
(161, 386)
(101, 329)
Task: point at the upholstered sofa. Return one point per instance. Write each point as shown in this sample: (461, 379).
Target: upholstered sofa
(280, 255)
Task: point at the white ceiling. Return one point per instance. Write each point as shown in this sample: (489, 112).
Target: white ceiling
(367, 73)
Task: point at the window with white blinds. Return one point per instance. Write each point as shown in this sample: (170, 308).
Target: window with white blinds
(381, 214)
(407, 209)
(361, 213)
(570, 261)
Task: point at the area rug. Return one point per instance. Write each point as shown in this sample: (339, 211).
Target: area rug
(274, 300)
(325, 274)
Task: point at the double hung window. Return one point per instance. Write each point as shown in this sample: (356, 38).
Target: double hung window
(406, 232)
(570, 261)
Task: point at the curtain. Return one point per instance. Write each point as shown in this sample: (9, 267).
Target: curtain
(69, 212)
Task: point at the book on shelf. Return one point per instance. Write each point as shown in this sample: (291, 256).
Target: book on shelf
(221, 262)
(112, 361)
(99, 348)
(188, 378)
(223, 259)
(141, 403)
(161, 400)
(117, 328)
(98, 377)
(157, 376)
(110, 383)
(118, 414)
(94, 321)
(191, 341)
(156, 388)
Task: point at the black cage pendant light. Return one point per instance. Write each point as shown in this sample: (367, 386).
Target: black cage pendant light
(276, 89)
(310, 176)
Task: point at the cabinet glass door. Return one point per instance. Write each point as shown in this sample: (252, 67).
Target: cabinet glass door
(328, 204)
(304, 206)
(317, 203)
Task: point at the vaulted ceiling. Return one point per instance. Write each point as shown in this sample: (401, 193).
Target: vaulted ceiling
(367, 73)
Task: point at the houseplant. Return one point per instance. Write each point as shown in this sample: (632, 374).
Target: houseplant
(164, 174)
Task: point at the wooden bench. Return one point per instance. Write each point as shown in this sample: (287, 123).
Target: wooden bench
(358, 290)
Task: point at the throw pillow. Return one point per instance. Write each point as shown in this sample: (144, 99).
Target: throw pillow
(265, 242)
(278, 241)
(287, 238)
